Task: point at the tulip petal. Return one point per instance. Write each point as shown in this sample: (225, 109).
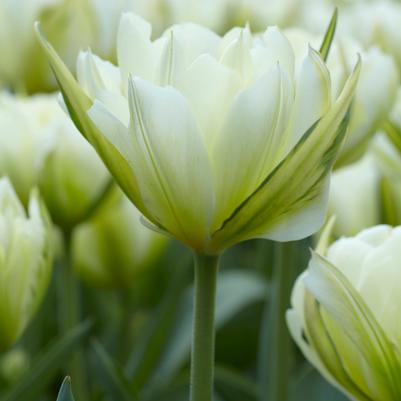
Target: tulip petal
(135, 51)
(210, 88)
(172, 161)
(96, 75)
(78, 103)
(376, 92)
(237, 56)
(312, 96)
(296, 185)
(251, 136)
(195, 40)
(275, 49)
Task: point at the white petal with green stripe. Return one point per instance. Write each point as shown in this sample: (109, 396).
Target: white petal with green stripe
(296, 184)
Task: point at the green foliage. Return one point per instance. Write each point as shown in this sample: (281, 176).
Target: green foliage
(65, 393)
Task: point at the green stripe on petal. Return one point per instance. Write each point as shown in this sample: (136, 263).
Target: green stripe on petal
(319, 339)
(169, 153)
(251, 135)
(297, 185)
(353, 330)
(78, 104)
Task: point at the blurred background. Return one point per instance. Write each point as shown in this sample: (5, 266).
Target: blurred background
(118, 311)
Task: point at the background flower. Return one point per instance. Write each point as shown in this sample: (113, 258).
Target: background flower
(345, 314)
(40, 146)
(113, 248)
(25, 262)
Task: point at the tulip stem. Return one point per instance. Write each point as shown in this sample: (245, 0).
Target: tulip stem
(202, 360)
(70, 316)
(274, 348)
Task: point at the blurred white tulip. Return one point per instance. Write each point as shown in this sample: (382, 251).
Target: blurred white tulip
(39, 145)
(25, 262)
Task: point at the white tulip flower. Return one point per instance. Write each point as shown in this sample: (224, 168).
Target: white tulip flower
(214, 139)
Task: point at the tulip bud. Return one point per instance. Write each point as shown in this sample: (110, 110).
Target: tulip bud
(173, 116)
(345, 314)
(114, 247)
(25, 262)
(40, 146)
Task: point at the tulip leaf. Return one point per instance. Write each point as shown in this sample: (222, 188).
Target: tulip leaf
(329, 36)
(65, 393)
(47, 365)
(346, 315)
(78, 104)
(298, 185)
(113, 376)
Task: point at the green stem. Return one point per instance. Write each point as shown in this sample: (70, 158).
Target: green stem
(70, 317)
(274, 355)
(202, 361)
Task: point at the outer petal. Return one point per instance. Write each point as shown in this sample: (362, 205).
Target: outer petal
(78, 103)
(297, 182)
(298, 334)
(166, 149)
